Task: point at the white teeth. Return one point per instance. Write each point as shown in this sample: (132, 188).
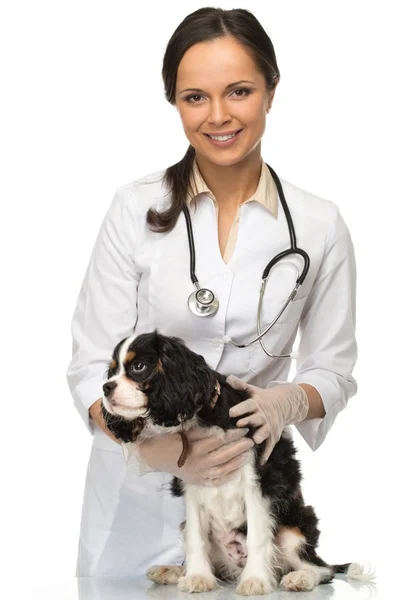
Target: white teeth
(222, 138)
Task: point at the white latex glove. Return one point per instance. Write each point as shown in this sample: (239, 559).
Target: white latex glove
(212, 458)
(270, 410)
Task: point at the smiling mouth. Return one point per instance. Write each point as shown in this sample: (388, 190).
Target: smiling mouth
(223, 134)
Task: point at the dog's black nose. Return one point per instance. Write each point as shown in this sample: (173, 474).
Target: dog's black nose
(109, 387)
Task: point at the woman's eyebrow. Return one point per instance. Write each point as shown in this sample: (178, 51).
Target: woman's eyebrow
(227, 87)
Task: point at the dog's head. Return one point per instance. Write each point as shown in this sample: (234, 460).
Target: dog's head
(157, 378)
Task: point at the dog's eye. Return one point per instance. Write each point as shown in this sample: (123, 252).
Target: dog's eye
(138, 366)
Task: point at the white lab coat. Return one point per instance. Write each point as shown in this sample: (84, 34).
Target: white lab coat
(139, 280)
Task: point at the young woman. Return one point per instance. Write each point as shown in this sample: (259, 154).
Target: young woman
(220, 73)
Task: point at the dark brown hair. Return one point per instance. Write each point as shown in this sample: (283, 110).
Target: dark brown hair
(206, 24)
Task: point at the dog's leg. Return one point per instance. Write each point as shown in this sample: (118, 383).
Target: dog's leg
(310, 570)
(198, 576)
(165, 574)
(258, 575)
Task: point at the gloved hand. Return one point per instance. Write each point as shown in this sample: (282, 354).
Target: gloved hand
(212, 460)
(270, 410)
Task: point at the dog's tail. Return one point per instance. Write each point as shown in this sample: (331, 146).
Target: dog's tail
(354, 571)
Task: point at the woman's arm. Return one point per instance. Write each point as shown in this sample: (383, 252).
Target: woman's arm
(97, 416)
(315, 407)
(106, 309)
(327, 345)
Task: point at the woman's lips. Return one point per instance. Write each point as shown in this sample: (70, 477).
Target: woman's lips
(227, 143)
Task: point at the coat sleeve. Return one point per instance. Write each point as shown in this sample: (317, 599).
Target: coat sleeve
(106, 309)
(328, 347)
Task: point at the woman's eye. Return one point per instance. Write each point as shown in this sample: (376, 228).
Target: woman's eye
(247, 92)
(139, 366)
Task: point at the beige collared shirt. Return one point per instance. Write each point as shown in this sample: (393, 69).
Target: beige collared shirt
(265, 194)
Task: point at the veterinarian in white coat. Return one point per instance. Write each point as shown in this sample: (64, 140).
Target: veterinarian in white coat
(138, 280)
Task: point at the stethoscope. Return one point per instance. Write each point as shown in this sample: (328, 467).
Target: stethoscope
(203, 303)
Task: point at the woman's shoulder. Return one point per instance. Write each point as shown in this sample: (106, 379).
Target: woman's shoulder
(146, 191)
(309, 203)
(146, 180)
(150, 191)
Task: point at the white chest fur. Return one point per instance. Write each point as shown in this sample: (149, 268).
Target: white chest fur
(223, 506)
(212, 514)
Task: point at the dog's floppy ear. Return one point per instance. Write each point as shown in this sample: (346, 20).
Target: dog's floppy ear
(184, 382)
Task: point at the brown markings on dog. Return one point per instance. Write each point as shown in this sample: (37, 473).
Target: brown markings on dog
(113, 364)
(293, 530)
(129, 356)
(296, 531)
(137, 427)
(159, 367)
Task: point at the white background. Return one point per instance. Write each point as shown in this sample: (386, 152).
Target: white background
(83, 112)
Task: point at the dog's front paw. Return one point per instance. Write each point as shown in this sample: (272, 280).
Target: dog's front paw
(197, 583)
(253, 586)
(298, 581)
(165, 574)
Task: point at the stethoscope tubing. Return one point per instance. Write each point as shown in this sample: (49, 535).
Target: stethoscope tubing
(213, 303)
(293, 244)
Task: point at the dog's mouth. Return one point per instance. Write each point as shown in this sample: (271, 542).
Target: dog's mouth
(123, 407)
(130, 413)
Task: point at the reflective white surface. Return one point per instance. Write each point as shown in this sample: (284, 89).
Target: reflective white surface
(140, 588)
(92, 588)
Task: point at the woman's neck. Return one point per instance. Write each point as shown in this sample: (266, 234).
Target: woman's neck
(232, 185)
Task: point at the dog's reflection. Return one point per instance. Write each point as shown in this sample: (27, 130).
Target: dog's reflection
(121, 588)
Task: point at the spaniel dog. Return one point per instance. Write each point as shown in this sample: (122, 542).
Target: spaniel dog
(255, 530)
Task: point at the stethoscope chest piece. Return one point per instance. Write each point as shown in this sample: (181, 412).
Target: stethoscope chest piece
(203, 303)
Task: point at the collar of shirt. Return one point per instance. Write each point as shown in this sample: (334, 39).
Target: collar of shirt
(265, 194)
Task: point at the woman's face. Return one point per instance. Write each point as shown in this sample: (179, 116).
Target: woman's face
(210, 67)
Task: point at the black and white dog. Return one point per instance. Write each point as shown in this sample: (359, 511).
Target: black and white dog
(255, 530)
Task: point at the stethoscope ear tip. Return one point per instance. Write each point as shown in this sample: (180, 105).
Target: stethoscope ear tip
(226, 339)
(294, 355)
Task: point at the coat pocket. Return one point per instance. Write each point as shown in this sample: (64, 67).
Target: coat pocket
(291, 313)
